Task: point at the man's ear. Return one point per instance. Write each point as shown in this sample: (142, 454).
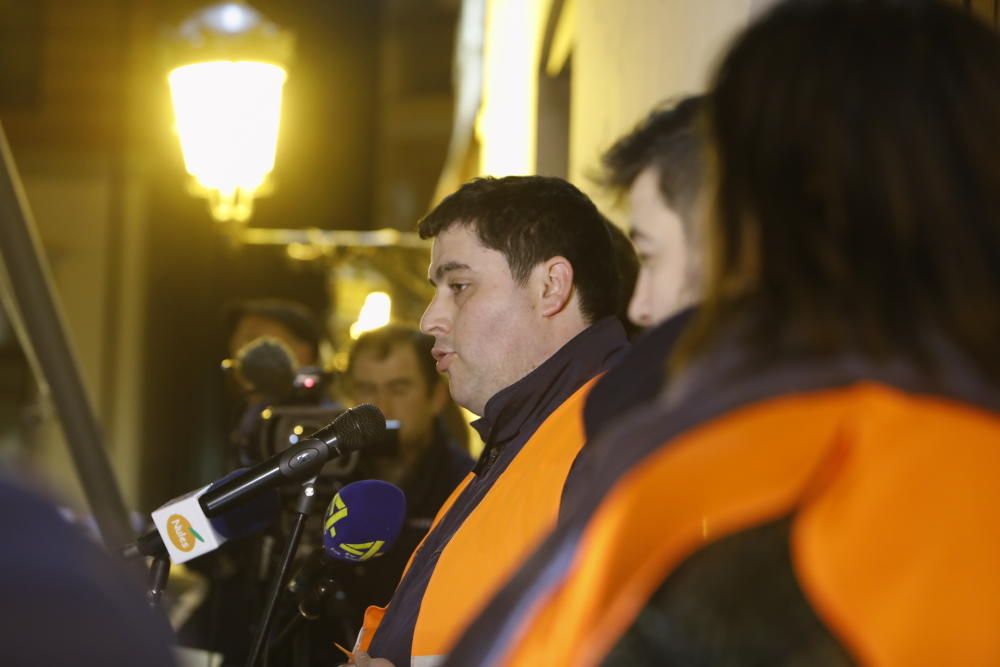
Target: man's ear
(557, 285)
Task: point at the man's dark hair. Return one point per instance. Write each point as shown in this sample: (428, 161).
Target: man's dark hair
(858, 179)
(298, 319)
(381, 342)
(670, 138)
(628, 274)
(530, 219)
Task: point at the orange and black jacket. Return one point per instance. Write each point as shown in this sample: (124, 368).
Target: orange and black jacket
(635, 380)
(805, 510)
(532, 431)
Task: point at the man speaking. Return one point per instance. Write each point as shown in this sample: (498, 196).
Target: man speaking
(523, 317)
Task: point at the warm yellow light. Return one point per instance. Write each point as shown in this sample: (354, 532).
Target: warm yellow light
(228, 115)
(507, 124)
(375, 313)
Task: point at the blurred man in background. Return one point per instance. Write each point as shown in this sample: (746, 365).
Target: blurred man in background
(659, 165)
(270, 343)
(288, 321)
(392, 368)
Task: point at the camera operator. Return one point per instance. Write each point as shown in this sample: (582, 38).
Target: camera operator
(272, 344)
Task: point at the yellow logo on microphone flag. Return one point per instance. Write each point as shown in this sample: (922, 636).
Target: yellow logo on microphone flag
(336, 511)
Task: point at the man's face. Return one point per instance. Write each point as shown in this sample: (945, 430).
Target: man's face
(252, 327)
(658, 236)
(396, 386)
(483, 322)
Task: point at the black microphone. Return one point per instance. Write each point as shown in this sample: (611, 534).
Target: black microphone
(355, 429)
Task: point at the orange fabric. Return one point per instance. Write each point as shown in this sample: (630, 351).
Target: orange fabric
(896, 537)
(513, 518)
(374, 613)
(510, 521)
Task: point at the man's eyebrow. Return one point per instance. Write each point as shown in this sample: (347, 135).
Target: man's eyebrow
(447, 267)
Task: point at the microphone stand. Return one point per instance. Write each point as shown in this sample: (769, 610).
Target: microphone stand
(159, 571)
(303, 506)
(309, 608)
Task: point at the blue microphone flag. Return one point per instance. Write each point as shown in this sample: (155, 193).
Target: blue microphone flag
(363, 520)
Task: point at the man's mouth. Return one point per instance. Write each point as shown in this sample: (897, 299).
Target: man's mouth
(443, 359)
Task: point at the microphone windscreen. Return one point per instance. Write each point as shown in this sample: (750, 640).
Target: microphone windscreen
(250, 517)
(360, 427)
(363, 520)
(268, 365)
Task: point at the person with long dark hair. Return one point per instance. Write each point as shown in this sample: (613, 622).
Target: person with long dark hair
(821, 485)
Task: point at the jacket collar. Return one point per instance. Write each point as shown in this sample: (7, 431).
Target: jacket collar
(527, 402)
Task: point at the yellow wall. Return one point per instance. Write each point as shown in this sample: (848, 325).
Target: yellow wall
(70, 203)
(627, 56)
(631, 55)
(506, 124)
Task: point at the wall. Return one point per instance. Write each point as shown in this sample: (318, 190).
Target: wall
(507, 119)
(626, 57)
(629, 56)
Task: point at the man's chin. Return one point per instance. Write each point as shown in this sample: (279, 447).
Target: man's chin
(472, 406)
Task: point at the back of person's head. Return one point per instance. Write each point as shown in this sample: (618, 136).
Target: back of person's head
(530, 219)
(670, 139)
(857, 178)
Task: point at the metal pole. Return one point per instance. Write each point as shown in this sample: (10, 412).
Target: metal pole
(39, 324)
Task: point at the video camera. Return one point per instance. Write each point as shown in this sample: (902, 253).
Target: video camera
(286, 403)
(282, 426)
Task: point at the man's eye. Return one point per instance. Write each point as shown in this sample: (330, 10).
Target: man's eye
(457, 287)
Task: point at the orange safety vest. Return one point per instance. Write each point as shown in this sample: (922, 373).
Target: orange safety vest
(513, 517)
(894, 501)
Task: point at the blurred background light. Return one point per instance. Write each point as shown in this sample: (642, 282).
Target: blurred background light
(226, 90)
(228, 115)
(375, 313)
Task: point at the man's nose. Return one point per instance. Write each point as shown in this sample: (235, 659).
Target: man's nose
(435, 321)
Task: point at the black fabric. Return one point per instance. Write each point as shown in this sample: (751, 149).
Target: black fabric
(512, 416)
(226, 620)
(635, 380)
(64, 601)
(441, 468)
(734, 603)
(723, 381)
(523, 406)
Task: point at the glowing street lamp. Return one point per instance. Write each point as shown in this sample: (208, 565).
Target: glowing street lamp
(226, 85)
